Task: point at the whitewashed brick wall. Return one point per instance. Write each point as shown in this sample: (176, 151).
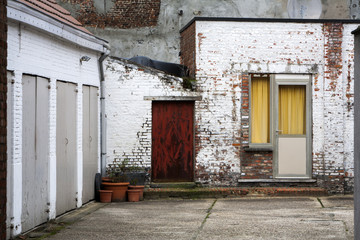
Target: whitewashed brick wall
(348, 81)
(226, 50)
(128, 115)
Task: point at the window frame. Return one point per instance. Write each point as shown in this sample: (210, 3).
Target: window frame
(276, 79)
(270, 145)
(295, 79)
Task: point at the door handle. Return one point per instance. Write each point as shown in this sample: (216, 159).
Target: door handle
(278, 131)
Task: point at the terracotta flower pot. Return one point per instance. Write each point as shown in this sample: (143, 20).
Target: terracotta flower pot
(133, 195)
(119, 190)
(105, 196)
(106, 179)
(138, 187)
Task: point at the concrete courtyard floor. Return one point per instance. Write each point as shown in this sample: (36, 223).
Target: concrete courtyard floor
(230, 218)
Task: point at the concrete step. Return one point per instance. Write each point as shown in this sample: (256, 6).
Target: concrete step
(224, 192)
(185, 185)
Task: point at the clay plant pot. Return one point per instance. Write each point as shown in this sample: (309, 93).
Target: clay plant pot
(105, 196)
(119, 190)
(138, 187)
(106, 179)
(133, 195)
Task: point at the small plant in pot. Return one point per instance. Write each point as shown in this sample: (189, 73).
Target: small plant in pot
(117, 180)
(134, 187)
(136, 176)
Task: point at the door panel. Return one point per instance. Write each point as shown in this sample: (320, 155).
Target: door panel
(94, 129)
(292, 155)
(35, 151)
(172, 141)
(90, 141)
(66, 167)
(86, 195)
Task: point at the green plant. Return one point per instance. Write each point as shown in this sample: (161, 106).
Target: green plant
(119, 171)
(189, 83)
(133, 181)
(115, 171)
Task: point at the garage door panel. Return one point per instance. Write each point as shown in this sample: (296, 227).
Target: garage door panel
(66, 177)
(90, 141)
(35, 151)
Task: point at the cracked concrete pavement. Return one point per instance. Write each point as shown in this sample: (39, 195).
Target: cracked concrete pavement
(233, 218)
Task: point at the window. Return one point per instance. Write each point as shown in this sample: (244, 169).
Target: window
(292, 109)
(277, 106)
(260, 109)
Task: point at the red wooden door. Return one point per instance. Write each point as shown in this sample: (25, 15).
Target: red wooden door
(172, 141)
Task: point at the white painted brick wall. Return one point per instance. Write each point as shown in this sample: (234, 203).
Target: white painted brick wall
(348, 99)
(128, 115)
(226, 49)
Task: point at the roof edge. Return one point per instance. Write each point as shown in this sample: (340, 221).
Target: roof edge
(137, 65)
(284, 20)
(60, 29)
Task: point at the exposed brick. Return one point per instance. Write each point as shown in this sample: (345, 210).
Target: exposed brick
(123, 14)
(187, 48)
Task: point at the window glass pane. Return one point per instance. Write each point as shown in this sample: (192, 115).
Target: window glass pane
(260, 112)
(292, 110)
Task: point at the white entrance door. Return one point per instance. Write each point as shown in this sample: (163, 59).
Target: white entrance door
(292, 126)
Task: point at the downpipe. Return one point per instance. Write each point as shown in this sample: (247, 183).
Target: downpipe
(102, 111)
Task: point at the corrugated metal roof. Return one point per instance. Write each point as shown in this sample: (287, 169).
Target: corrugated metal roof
(52, 9)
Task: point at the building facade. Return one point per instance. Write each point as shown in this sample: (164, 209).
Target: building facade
(272, 104)
(248, 121)
(53, 114)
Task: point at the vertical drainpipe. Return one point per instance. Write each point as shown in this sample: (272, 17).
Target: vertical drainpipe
(102, 110)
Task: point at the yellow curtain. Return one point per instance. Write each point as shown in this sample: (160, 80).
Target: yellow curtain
(260, 112)
(292, 110)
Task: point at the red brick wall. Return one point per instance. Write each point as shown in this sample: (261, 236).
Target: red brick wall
(187, 48)
(254, 165)
(3, 89)
(123, 14)
(333, 176)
